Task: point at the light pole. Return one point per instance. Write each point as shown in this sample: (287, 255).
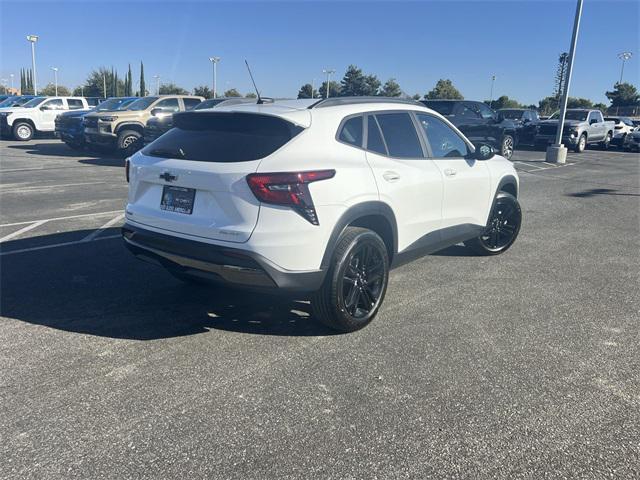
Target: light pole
(493, 80)
(557, 153)
(328, 72)
(82, 90)
(214, 62)
(104, 84)
(11, 77)
(157, 77)
(55, 77)
(624, 56)
(33, 39)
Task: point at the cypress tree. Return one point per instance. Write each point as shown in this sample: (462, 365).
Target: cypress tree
(143, 87)
(129, 82)
(21, 80)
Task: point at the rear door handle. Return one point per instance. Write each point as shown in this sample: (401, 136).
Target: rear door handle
(450, 172)
(391, 176)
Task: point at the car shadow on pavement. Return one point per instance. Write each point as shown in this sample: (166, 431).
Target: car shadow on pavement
(99, 288)
(601, 191)
(60, 149)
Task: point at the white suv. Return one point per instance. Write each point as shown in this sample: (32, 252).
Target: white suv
(317, 197)
(37, 115)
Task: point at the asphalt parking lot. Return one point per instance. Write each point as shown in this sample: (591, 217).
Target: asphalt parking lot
(525, 365)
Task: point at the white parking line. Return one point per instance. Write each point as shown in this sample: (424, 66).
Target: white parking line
(97, 232)
(55, 245)
(22, 230)
(61, 218)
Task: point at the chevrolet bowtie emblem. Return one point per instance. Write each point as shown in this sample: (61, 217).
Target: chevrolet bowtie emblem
(168, 177)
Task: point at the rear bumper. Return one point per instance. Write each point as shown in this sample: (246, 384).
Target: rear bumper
(232, 266)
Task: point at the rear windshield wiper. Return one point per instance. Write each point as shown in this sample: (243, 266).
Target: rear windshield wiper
(167, 153)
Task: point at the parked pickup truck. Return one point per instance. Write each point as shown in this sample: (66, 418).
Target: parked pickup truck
(582, 127)
(37, 115)
(123, 130)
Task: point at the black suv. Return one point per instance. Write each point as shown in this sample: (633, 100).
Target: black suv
(479, 123)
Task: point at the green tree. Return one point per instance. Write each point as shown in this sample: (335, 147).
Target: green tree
(503, 102)
(128, 83)
(623, 95)
(444, 89)
(353, 83)
(96, 81)
(22, 82)
(143, 88)
(232, 92)
(334, 89)
(172, 89)
(306, 91)
(250, 95)
(600, 106)
(50, 90)
(561, 75)
(548, 105)
(391, 89)
(203, 91)
(573, 102)
(416, 96)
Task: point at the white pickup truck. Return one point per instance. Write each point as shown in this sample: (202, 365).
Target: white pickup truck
(37, 115)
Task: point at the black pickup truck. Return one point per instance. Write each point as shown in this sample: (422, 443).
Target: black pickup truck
(479, 123)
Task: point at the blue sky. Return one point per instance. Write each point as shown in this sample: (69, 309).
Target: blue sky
(289, 43)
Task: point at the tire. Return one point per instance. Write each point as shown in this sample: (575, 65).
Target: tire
(129, 142)
(23, 131)
(356, 282)
(604, 145)
(502, 228)
(582, 144)
(507, 146)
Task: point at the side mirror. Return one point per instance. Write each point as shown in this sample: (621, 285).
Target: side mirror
(156, 111)
(45, 107)
(483, 152)
(592, 121)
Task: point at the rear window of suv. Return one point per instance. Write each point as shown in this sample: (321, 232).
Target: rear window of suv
(223, 137)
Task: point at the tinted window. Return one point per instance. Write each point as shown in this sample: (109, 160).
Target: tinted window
(94, 101)
(400, 135)
(351, 132)
(190, 103)
(142, 103)
(513, 114)
(485, 112)
(212, 102)
(467, 112)
(443, 108)
(374, 139)
(74, 104)
(444, 142)
(169, 104)
(223, 137)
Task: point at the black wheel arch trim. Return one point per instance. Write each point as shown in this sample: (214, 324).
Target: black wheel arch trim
(130, 126)
(507, 180)
(361, 210)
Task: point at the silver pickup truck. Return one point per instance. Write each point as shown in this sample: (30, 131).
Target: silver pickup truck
(581, 128)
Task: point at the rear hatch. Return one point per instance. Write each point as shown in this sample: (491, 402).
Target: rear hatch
(192, 179)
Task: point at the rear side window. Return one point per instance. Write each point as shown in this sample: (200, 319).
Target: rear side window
(351, 132)
(443, 108)
(190, 103)
(400, 135)
(223, 137)
(74, 104)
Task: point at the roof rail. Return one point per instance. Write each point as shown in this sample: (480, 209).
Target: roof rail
(335, 101)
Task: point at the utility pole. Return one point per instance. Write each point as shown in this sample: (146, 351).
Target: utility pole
(82, 90)
(493, 79)
(104, 83)
(214, 62)
(55, 76)
(624, 56)
(328, 72)
(557, 153)
(157, 77)
(313, 84)
(33, 39)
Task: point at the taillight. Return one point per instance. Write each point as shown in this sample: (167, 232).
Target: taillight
(288, 188)
(127, 164)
